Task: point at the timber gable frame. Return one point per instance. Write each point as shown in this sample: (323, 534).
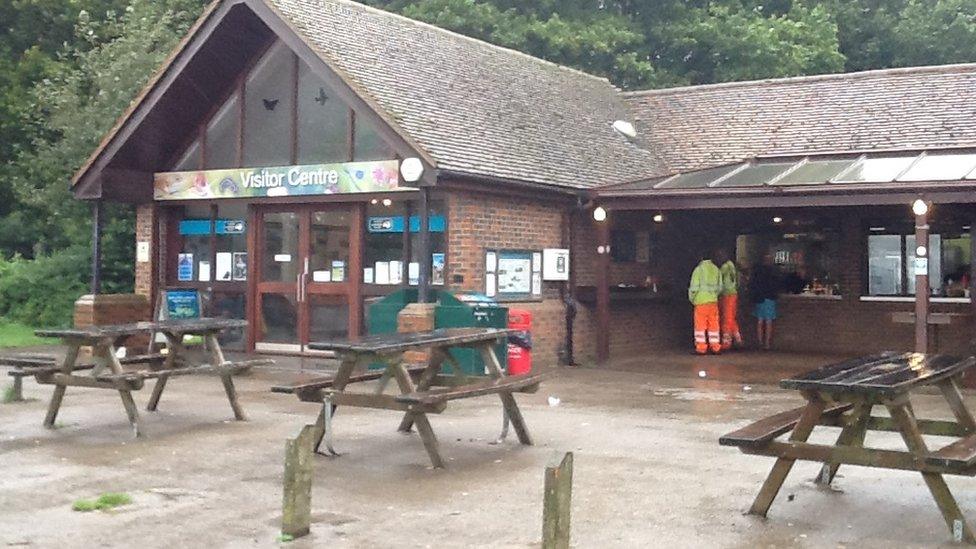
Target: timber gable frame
(87, 182)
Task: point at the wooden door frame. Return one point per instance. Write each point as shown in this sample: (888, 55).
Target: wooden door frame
(351, 288)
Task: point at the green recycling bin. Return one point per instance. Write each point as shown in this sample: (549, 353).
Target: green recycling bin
(467, 310)
(464, 310)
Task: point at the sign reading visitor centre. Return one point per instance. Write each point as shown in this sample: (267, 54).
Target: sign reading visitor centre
(349, 177)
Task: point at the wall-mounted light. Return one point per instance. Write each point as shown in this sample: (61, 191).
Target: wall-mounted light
(920, 207)
(411, 169)
(877, 229)
(599, 214)
(659, 218)
(777, 219)
(921, 251)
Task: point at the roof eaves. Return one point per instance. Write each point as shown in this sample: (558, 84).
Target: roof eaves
(926, 69)
(144, 93)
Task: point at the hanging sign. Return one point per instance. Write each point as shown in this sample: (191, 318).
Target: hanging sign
(349, 177)
(921, 266)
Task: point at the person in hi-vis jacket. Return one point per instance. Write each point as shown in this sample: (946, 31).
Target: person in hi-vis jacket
(703, 290)
(728, 301)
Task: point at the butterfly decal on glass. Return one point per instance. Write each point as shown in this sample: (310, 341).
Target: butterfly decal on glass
(322, 98)
(270, 104)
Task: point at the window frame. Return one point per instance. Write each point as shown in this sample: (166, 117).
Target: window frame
(904, 233)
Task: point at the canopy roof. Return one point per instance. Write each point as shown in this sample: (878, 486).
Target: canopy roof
(844, 174)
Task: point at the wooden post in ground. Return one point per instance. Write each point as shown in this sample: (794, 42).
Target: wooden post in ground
(556, 502)
(296, 508)
(17, 392)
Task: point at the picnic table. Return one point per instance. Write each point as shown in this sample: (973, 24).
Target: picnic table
(107, 371)
(844, 395)
(423, 389)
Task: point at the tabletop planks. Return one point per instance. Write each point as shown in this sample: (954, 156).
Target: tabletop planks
(881, 374)
(398, 342)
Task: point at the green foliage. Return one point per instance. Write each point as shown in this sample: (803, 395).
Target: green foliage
(285, 538)
(42, 291)
(104, 502)
(9, 395)
(15, 334)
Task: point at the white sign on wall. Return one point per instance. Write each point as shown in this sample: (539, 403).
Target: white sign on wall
(555, 264)
(142, 252)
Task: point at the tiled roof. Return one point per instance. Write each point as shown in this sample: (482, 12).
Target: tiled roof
(913, 108)
(474, 107)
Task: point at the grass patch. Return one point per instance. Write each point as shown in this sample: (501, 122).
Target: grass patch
(9, 395)
(104, 502)
(14, 334)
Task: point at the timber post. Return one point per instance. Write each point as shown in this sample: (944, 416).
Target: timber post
(556, 503)
(296, 508)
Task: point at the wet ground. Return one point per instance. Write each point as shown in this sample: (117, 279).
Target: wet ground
(649, 471)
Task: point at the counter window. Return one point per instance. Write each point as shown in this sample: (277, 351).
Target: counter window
(891, 258)
(807, 261)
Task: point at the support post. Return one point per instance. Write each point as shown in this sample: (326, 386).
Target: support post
(424, 251)
(557, 502)
(96, 273)
(603, 291)
(972, 266)
(296, 509)
(921, 283)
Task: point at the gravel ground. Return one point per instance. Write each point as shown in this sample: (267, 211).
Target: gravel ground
(649, 471)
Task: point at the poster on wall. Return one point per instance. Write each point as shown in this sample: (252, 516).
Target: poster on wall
(320, 179)
(203, 269)
(225, 266)
(184, 268)
(514, 273)
(437, 270)
(240, 266)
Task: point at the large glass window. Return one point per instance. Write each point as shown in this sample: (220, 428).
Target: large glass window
(323, 121)
(268, 109)
(385, 257)
(368, 143)
(223, 135)
(807, 262)
(190, 161)
(231, 240)
(891, 260)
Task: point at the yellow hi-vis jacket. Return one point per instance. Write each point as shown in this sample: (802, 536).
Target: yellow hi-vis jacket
(730, 279)
(706, 282)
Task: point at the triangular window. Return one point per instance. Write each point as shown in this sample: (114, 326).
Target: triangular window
(291, 115)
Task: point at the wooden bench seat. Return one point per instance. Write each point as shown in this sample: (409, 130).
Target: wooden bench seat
(526, 383)
(229, 367)
(327, 382)
(961, 453)
(767, 429)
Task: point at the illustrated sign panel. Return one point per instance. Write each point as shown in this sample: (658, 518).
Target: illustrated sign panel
(321, 179)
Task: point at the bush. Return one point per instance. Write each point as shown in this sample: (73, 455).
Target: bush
(41, 292)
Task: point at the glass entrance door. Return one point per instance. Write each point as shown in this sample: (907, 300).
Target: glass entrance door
(308, 276)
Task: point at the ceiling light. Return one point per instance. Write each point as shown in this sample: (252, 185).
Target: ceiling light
(659, 218)
(599, 214)
(920, 207)
(387, 202)
(777, 219)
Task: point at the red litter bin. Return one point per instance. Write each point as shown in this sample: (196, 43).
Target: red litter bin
(520, 342)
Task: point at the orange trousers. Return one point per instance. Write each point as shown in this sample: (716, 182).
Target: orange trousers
(728, 312)
(706, 328)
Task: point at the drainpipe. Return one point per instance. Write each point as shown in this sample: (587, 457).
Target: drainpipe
(569, 292)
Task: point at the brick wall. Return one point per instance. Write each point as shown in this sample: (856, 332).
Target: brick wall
(146, 228)
(480, 221)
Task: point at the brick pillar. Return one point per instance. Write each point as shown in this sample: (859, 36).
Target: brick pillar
(147, 223)
(104, 309)
(416, 317)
